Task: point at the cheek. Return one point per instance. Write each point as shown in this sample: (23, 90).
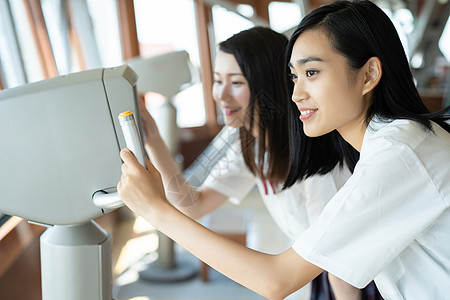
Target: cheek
(335, 98)
(215, 93)
(243, 97)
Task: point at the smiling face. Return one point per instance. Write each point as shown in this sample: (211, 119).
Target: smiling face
(328, 94)
(230, 89)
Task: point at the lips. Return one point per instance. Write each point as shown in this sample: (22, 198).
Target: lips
(228, 111)
(305, 113)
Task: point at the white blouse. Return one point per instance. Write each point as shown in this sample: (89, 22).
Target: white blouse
(391, 220)
(293, 209)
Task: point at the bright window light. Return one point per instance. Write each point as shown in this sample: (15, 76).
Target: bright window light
(227, 23)
(444, 41)
(245, 10)
(26, 41)
(165, 26)
(284, 15)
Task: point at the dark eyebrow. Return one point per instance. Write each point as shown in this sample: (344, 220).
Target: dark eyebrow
(303, 61)
(230, 74)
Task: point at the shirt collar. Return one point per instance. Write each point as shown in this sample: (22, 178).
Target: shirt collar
(376, 123)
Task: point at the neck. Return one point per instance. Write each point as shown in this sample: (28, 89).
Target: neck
(354, 135)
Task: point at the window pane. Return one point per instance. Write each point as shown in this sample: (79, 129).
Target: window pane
(10, 60)
(28, 51)
(55, 15)
(284, 16)
(246, 10)
(106, 31)
(162, 29)
(444, 41)
(227, 23)
(96, 27)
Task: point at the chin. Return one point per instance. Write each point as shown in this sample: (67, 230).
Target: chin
(233, 123)
(313, 133)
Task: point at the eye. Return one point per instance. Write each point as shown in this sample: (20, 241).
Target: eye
(310, 73)
(217, 81)
(292, 77)
(237, 82)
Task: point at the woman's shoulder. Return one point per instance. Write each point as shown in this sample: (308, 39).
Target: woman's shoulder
(383, 133)
(398, 139)
(388, 128)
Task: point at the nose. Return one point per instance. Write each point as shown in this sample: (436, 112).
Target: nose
(299, 93)
(221, 92)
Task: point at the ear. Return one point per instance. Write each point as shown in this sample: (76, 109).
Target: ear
(372, 75)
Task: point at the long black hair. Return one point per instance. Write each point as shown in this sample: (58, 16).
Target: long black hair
(359, 30)
(260, 53)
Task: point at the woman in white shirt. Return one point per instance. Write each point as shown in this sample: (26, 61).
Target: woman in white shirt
(390, 221)
(248, 78)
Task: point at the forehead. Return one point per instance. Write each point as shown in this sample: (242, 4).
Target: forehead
(226, 63)
(312, 45)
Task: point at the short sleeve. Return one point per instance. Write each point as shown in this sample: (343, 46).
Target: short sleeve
(230, 176)
(387, 203)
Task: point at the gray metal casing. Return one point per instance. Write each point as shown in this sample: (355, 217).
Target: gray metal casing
(59, 143)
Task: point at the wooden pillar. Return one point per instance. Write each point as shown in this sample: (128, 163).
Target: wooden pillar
(128, 31)
(204, 17)
(41, 39)
(261, 9)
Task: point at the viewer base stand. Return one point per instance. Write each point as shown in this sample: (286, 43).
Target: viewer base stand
(166, 268)
(76, 262)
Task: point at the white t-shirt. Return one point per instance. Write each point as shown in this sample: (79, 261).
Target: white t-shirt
(293, 209)
(391, 220)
